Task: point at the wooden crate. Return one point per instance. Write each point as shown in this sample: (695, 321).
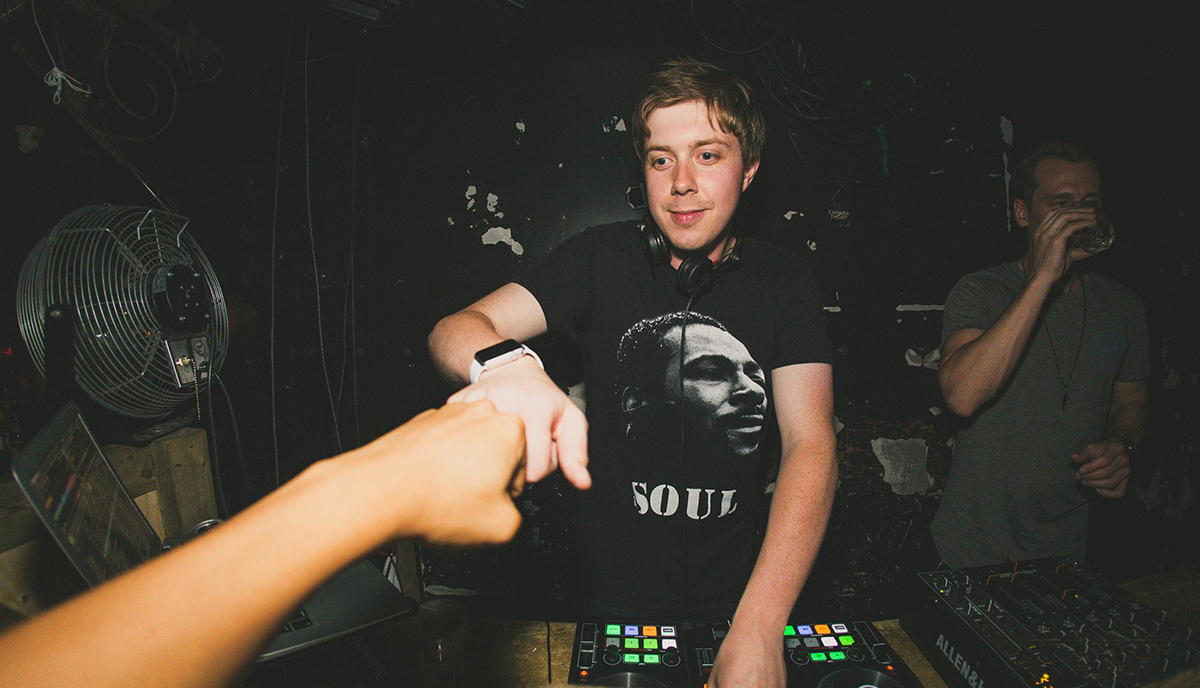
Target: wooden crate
(170, 480)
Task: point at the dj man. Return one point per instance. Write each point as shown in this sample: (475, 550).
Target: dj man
(670, 533)
(1048, 362)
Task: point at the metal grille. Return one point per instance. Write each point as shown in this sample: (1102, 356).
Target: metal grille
(101, 260)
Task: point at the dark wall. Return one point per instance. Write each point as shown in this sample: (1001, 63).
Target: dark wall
(347, 170)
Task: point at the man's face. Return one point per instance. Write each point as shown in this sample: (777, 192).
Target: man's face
(694, 178)
(724, 389)
(1060, 184)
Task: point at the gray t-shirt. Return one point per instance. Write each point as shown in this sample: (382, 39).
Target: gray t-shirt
(1012, 490)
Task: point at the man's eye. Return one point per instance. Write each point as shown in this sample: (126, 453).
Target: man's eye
(659, 163)
(709, 156)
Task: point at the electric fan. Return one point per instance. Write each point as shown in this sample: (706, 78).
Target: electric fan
(150, 322)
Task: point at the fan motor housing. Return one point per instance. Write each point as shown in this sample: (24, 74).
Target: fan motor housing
(180, 297)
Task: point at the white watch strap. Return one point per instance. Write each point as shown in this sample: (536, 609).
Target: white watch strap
(477, 368)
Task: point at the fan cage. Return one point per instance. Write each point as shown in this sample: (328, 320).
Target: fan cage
(101, 260)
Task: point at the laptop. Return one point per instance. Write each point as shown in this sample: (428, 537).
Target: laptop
(76, 493)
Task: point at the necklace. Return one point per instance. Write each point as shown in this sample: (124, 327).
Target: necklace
(1066, 383)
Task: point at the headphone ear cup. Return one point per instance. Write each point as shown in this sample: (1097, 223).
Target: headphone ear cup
(731, 262)
(694, 274)
(654, 243)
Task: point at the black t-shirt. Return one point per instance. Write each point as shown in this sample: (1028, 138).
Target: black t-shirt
(649, 510)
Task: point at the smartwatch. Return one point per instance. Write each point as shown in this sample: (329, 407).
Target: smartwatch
(497, 355)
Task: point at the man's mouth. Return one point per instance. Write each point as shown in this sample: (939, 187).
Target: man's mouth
(686, 217)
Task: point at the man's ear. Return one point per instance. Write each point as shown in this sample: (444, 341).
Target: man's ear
(1021, 212)
(632, 399)
(748, 174)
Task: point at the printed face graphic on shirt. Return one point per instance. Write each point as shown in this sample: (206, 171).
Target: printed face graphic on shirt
(723, 391)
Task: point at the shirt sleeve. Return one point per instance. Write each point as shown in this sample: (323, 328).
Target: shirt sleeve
(1136, 364)
(968, 307)
(562, 281)
(801, 320)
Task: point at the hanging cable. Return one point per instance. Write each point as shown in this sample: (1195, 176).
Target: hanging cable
(287, 60)
(56, 77)
(312, 240)
(237, 436)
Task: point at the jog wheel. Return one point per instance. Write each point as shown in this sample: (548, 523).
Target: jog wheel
(858, 677)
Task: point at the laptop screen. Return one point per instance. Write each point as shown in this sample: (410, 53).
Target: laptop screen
(81, 500)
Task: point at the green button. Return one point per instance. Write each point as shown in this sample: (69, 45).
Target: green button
(650, 643)
(789, 630)
(837, 656)
(818, 656)
(652, 659)
(612, 629)
(631, 643)
(632, 658)
(846, 640)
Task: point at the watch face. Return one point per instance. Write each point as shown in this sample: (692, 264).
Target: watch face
(483, 356)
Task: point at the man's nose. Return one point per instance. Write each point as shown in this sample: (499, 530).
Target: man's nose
(684, 181)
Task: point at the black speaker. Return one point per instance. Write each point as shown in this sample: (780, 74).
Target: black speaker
(696, 273)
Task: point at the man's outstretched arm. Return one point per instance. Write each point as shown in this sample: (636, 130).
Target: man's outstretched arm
(445, 477)
(555, 429)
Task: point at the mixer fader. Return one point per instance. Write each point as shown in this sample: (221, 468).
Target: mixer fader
(1045, 622)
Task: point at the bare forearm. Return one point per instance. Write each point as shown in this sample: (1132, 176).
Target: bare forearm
(193, 617)
(1129, 420)
(454, 341)
(510, 312)
(799, 515)
(971, 374)
(232, 590)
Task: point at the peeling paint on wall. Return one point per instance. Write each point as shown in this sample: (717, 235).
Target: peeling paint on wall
(903, 464)
(493, 202)
(502, 235)
(521, 127)
(930, 360)
(437, 590)
(614, 123)
(1170, 378)
(792, 213)
(812, 245)
(921, 307)
(471, 191)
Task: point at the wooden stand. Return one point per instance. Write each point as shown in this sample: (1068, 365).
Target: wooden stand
(170, 480)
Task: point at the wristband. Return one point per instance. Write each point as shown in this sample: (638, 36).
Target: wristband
(1129, 448)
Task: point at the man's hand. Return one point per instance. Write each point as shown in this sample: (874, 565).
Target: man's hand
(1104, 467)
(555, 428)
(1050, 255)
(750, 658)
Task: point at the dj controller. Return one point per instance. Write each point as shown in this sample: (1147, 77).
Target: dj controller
(820, 655)
(1045, 622)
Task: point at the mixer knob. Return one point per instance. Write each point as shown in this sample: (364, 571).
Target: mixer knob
(611, 657)
(798, 657)
(671, 658)
(856, 654)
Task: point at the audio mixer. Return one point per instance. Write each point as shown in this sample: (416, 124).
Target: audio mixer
(1045, 622)
(821, 655)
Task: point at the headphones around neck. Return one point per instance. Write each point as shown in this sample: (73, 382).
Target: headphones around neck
(696, 273)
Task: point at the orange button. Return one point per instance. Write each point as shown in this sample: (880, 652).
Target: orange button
(649, 630)
(822, 629)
